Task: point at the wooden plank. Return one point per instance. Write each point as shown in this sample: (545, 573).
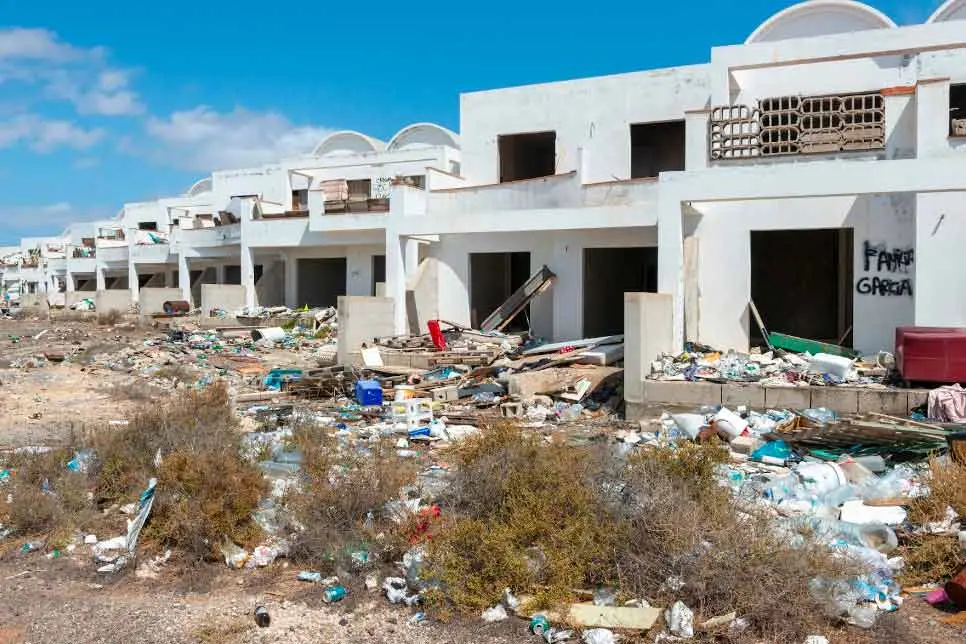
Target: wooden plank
(623, 617)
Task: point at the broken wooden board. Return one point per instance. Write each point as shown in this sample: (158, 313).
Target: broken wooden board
(587, 343)
(526, 384)
(603, 356)
(590, 615)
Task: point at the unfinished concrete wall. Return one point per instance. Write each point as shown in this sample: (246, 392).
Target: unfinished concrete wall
(422, 294)
(112, 300)
(648, 332)
(34, 303)
(360, 320)
(270, 288)
(228, 297)
(152, 299)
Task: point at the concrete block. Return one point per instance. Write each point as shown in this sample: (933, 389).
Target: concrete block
(841, 400)
(681, 393)
(787, 398)
(225, 297)
(648, 332)
(112, 300)
(916, 398)
(751, 395)
(511, 410)
(360, 320)
(152, 299)
(890, 402)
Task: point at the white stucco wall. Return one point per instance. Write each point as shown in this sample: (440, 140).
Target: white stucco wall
(556, 314)
(594, 114)
(723, 232)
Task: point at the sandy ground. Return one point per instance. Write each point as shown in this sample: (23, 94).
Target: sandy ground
(64, 600)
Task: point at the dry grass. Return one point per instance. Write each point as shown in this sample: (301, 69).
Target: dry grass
(545, 519)
(110, 318)
(947, 488)
(930, 558)
(342, 489)
(206, 491)
(222, 631)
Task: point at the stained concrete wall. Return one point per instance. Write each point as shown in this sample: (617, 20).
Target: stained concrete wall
(34, 302)
(73, 297)
(229, 297)
(648, 332)
(152, 299)
(360, 320)
(112, 300)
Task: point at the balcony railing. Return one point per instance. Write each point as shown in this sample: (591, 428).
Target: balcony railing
(84, 253)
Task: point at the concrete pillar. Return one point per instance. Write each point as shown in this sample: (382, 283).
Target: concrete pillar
(396, 250)
(221, 272)
(291, 281)
(696, 139)
(184, 278)
(670, 256)
(247, 275)
(100, 279)
(133, 283)
(358, 271)
(900, 123)
(648, 332)
(69, 279)
(932, 117)
(412, 258)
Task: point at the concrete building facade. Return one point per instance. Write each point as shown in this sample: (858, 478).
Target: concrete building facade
(818, 170)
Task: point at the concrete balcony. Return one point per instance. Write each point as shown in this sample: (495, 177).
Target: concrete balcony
(31, 273)
(113, 254)
(56, 264)
(151, 254)
(211, 237)
(81, 264)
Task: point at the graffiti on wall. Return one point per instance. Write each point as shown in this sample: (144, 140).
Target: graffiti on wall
(886, 270)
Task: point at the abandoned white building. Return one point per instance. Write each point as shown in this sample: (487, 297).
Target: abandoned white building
(818, 169)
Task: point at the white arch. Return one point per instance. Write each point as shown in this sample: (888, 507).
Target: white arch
(820, 18)
(424, 135)
(347, 142)
(199, 187)
(950, 10)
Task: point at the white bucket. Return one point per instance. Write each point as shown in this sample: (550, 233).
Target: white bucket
(821, 478)
(403, 392)
(730, 424)
(274, 333)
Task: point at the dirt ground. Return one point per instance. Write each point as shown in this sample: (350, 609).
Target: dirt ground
(46, 600)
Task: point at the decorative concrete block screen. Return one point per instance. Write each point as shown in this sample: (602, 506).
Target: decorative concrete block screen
(797, 125)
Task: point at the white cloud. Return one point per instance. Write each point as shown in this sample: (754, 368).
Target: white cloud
(43, 220)
(205, 139)
(41, 45)
(45, 135)
(53, 69)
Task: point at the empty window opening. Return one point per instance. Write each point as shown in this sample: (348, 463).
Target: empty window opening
(143, 280)
(608, 274)
(320, 281)
(801, 283)
(493, 278)
(147, 225)
(300, 200)
(656, 148)
(527, 156)
(258, 271)
(414, 180)
(233, 274)
(378, 275)
(957, 110)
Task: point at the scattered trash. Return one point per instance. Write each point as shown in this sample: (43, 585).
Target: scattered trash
(262, 617)
(680, 620)
(495, 614)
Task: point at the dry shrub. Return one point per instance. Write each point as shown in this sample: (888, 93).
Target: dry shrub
(685, 527)
(342, 499)
(947, 488)
(930, 558)
(47, 499)
(206, 490)
(521, 514)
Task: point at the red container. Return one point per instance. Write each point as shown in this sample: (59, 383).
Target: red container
(931, 354)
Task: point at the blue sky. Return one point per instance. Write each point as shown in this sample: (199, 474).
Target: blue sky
(107, 102)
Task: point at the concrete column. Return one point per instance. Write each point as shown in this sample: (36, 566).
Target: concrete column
(184, 278)
(358, 271)
(670, 256)
(100, 279)
(396, 250)
(932, 117)
(900, 123)
(132, 280)
(412, 258)
(291, 281)
(567, 323)
(221, 272)
(648, 332)
(247, 275)
(696, 139)
(69, 279)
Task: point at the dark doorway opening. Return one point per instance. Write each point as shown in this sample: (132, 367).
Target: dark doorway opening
(144, 279)
(801, 283)
(608, 274)
(233, 274)
(321, 280)
(656, 148)
(493, 278)
(527, 156)
(957, 109)
(378, 271)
